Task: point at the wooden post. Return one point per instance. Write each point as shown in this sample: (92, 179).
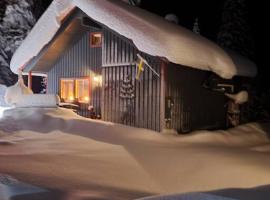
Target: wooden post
(30, 80)
(162, 95)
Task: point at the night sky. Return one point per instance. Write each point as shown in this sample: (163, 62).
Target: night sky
(209, 13)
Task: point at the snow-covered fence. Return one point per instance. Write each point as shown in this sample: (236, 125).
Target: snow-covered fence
(38, 100)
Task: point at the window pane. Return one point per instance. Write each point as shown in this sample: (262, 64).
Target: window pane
(67, 90)
(82, 90)
(96, 39)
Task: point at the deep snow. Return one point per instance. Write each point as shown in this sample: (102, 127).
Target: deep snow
(78, 158)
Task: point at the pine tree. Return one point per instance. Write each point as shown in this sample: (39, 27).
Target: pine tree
(16, 23)
(196, 28)
(2, 9)
(44, 85)
(235, 33)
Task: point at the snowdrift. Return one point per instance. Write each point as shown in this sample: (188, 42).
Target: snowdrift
(88, 159)
(38, 100)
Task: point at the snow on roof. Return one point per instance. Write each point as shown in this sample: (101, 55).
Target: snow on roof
(150, 33)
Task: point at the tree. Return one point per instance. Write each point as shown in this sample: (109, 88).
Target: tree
(14, 26)
(235, 32)
(196, 28)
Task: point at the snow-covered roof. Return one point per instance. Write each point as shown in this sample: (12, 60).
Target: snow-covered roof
(150, 33)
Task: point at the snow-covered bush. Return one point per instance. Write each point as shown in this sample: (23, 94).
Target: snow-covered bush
(239, 98)
(14, 93)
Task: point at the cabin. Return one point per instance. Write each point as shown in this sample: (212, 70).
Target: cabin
(125, 65)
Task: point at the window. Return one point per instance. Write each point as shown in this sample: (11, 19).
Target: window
(76, 89)
(67, 90)
(96, 39)
(82, 90)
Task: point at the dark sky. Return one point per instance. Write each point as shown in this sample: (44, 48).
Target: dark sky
(209, 13)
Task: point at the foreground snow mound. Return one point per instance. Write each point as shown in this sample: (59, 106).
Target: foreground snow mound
(191, 196)
(57, 149)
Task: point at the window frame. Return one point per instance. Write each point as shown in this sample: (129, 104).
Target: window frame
(61, 91)
(92, 34)
(74, 80)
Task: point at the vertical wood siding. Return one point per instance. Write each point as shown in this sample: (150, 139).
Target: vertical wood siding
(194, 106)
(79, 61)
(117, 50)
(141, 111)
(119, 57)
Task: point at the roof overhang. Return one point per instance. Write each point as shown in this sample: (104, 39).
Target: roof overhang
(68, 34)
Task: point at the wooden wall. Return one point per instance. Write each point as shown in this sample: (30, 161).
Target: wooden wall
(119, 61)
(141, 111)
(117, 51)
(79, 61)
(195, 107)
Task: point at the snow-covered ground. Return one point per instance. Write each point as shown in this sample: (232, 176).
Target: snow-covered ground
(71, 157)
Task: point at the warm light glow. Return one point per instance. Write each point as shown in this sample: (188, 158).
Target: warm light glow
(82, 90)
(96, 39)
(71, 98)
(67, 90)
(86, 99)
(97, 79)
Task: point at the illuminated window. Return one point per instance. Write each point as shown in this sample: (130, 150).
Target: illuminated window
(96, 39)
(67, 90)
(82, 90)
(75, 90)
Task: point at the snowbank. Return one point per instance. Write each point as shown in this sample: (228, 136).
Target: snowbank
(191, 196)
(150, 33)
(239, 98)
(38, 100)
(88, 159)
